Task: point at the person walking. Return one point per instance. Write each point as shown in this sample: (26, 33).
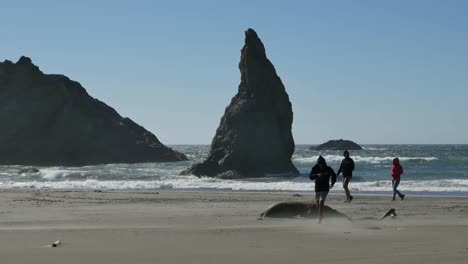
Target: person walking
(322, 174)
(396, 172)
(347, 168)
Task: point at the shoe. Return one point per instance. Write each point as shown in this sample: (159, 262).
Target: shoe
(393, 199)
(350, 198)
(346, 201)
(402, 197)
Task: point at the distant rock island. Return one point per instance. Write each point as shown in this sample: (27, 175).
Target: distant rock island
(339, 144)
(50, 120)
(254, 136)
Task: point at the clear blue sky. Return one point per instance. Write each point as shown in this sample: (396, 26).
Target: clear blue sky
(370, 71)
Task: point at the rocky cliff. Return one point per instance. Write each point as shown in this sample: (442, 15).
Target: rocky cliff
(48, 119)
(254, 136)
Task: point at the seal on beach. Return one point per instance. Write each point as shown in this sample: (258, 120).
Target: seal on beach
(299, 209)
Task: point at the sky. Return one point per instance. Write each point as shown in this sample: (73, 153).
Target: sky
(376, 72)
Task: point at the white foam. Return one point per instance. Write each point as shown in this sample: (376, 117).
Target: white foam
(195, 183)
(415, 186)
(374, 160)
(54, 173)
(370, 148)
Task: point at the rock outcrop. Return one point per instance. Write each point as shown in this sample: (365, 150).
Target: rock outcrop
(339, 144)
(254, 136)
(28, 171)
(304, 209)
(48, 119)
(308, 209)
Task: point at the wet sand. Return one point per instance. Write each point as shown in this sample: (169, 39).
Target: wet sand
(222, 227)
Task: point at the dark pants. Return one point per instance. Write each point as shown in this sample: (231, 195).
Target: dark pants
(345, 186)
(395, 184)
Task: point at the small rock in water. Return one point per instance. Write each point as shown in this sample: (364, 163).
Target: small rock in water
(297, 195)
(28, 170)
(339, 144)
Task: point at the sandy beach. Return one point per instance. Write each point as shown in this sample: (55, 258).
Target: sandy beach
(222, 227)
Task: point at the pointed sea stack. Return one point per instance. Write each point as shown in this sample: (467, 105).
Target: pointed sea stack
(254, 136)
(50, 120)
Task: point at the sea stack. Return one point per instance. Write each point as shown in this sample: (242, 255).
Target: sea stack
(254, 136)
(50, 120)
(338, 144)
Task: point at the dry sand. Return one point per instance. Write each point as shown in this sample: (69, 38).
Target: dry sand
(222, 227)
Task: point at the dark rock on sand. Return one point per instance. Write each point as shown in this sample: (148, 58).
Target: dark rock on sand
(48, 119)
(306, 209)
(254, 136)
(299, 209)
(337, 145)
(28, 171)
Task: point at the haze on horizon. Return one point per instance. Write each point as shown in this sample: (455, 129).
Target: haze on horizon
(375, 72)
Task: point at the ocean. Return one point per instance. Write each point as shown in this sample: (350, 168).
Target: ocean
(429, 170)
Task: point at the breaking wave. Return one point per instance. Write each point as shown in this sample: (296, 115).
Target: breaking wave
(195, 183)
(428, 168)
(374, 160)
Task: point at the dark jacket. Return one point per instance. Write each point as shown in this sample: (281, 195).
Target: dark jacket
(347, 167)
(322, 182)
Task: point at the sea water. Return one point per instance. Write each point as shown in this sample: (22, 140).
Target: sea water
(429, 169)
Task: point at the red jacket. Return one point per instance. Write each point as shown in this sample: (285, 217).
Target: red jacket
(397, 171)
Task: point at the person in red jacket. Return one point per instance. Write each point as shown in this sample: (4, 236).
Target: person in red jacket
(396, 172)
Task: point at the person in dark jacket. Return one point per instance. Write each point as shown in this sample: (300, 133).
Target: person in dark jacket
(346, 167)
(322, 174)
